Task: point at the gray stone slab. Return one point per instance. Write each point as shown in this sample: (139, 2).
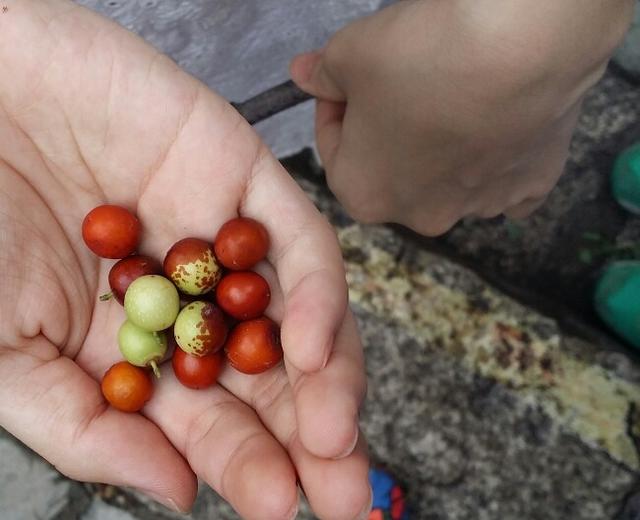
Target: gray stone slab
(467, 447)
(98, 510)
(30, 489)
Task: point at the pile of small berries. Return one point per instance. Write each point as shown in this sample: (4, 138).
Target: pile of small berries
(203, 301)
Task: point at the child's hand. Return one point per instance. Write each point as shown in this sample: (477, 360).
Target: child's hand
(429, 111)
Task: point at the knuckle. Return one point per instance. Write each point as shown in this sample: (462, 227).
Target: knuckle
(202, 425)
(355, 202)
(475, 178)
(471, 182)
(364, 213)
(270, 391)
(334, 53)
(433, 227)
(490, 212)
(542, 191)
(515, 212)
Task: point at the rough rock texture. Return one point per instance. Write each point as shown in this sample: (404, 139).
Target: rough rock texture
(482, 452)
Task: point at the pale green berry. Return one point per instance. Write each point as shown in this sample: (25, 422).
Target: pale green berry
(141, 347)
(152, 303)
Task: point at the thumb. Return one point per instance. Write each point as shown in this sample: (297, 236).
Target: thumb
(311, 73)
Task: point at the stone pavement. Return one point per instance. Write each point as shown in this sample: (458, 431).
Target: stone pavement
(498, 401)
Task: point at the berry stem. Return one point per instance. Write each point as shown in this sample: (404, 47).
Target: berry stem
(106, 297)
(154, 367)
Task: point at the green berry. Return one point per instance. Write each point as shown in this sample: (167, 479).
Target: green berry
(152, 303)
(141, 347)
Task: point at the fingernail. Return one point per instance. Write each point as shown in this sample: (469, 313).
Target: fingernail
(166, 502)
(364, 514)
(327, 355)
(328, 350)
(305, 65)
(294, 510)
(294, 513)
(352, 446)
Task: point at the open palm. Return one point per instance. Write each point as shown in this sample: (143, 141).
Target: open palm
(90, 114)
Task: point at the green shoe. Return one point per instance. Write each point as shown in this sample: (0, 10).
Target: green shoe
(617, 299)
(625, 180)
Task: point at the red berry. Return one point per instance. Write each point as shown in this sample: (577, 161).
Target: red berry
(111, 231)
(254, 346)
(244, 295)
(241, 243)
(129, 269)
(126, 387)
(197, 371)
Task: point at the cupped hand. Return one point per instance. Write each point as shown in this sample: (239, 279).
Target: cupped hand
(431, 111)
(90, 114)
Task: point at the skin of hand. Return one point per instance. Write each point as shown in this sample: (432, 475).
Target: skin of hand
(91, 114)
(432, 111)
